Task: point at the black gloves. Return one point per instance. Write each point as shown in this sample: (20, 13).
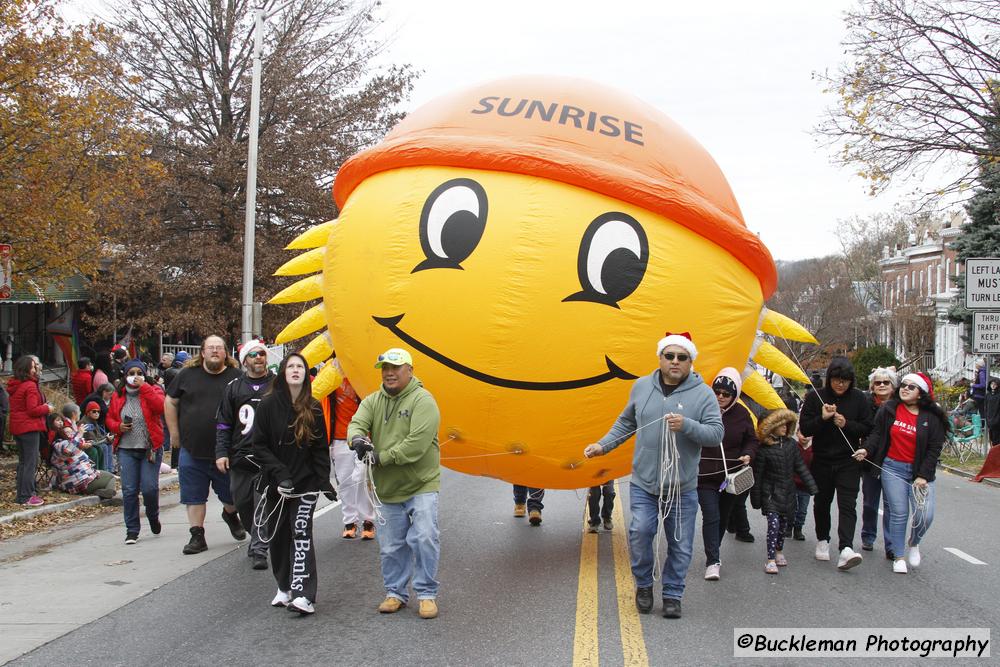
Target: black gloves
(331, 495)
(286, 488)
(361, 446)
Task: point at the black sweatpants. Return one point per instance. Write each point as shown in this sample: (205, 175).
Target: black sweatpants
(844, 479)
(243, 489)
(293, 553)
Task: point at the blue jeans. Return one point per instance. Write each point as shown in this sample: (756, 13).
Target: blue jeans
(898, 499)
(531, 497)
(871, 491)
(708, 500)
(410, 538)
(108, 457)
(139, 475)
(678, 524)
(801, 508)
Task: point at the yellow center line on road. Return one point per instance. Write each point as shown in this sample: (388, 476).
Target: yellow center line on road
(585, 639)
(633, 643)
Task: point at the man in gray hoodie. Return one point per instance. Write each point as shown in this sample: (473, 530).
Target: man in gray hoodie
(673, 414)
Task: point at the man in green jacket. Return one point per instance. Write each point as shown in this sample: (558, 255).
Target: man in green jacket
(395, 429)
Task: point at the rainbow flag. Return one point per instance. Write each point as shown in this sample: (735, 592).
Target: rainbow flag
(66, 334)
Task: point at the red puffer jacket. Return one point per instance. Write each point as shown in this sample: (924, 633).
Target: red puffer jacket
(28, 407)
(151, 399)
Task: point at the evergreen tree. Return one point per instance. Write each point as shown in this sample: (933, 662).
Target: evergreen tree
(980, 236)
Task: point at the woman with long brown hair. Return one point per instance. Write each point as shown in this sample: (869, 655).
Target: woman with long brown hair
(28, 410)
(290, 445)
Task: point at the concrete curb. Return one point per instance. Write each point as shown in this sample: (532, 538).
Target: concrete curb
(968, 475)
(86, 501)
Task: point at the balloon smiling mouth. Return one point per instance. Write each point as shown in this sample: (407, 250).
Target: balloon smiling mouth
(614, 372)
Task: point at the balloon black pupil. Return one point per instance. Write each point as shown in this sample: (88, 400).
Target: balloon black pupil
(621, 273)
(461, 234)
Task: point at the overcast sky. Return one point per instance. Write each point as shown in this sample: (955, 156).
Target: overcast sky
(736, 75)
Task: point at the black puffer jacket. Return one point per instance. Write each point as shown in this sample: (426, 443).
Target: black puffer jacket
(778, 461)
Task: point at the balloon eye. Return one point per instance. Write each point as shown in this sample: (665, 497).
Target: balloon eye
(612, 261)
(452, 223)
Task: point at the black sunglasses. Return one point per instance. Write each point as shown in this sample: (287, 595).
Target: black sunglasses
(254, 355)
(723, 394)
(881, 383)
(911, 387)
(670, 356)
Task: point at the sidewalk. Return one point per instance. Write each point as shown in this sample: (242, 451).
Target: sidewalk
(56, 581)
(83, 501)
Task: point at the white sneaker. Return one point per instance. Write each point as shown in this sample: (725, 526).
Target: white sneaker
(913, 555)
(823, 550)
(301, 605)
(281, 599)
(712, 572)
(899, 566)
(848, 559)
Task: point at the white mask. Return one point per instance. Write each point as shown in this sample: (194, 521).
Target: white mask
(132, 379)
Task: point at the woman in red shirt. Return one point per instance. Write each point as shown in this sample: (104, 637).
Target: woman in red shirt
(906, 444)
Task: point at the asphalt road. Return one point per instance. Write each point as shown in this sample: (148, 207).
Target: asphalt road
(516, 595)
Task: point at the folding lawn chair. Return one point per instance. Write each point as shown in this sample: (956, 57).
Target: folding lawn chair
(967, 441)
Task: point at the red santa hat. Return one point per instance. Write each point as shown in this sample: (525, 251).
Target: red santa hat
(682, 339)
(920, 380)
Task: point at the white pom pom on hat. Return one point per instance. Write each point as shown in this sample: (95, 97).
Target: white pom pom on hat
(682, 339)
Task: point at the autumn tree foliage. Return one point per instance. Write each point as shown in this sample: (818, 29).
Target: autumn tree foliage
(920, 85)
(322, 99)
(72, 157)
(819, 294)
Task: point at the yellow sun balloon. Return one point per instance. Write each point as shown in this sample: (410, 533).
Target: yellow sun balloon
(529, 241)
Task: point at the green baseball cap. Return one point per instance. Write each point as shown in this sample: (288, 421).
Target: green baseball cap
(395, 356)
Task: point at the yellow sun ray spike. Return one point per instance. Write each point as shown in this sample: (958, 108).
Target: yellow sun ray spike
(313, 237)
(760, 390)
(785, 327)
(329, 378)
(307, 289)
(319, 349)
(771, 358)
(312, 320)
(307, 262)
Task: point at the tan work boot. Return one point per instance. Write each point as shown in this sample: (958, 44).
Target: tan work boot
(390, 605)
(520, 509)
(535, 517)
(428, 608)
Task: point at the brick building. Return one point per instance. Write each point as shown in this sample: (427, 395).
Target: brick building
(918, 289)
